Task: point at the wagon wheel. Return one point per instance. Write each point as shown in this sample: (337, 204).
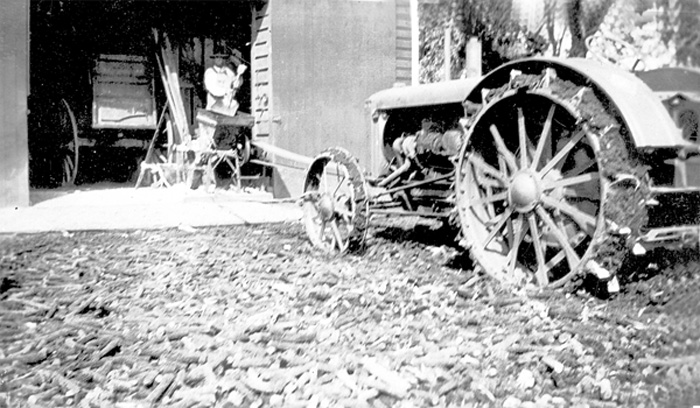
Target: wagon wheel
(335, 202)
(71, 158)
(533, 184)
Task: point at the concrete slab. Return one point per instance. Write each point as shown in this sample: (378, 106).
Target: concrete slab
(110, 207)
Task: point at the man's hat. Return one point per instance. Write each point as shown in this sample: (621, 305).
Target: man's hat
(220, 51)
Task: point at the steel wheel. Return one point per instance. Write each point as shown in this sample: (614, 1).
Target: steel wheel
(532, 185)
(335, 202)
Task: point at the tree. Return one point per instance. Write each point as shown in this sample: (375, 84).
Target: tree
(584, 17)
(661, 33)
(681, 29)
(492, 22)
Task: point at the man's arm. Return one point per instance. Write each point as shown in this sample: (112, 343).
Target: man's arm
(239, 76)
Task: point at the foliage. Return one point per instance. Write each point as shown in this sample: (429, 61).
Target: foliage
(680, 20)
(655, 32)
(631, 33)
(502, 38)
(662, 34)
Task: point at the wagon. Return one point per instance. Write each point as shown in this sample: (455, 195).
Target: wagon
(121, 112)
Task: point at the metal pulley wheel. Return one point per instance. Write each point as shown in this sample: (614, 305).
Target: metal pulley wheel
(335, 202)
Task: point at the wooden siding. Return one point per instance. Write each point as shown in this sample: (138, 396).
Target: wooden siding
(261, 75)
(14, 42)
(328, 57)
(403, 42)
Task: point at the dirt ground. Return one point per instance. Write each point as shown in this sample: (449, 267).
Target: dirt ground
(253, 316)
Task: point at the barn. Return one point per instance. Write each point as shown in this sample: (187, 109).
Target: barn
(312, 65)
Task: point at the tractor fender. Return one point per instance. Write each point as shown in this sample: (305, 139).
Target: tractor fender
(646, 118)
(672, 81)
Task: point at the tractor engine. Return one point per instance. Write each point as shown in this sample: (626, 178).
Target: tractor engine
(423, 165)
(428, 149)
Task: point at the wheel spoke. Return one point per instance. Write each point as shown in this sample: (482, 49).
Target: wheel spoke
(571, 181)
(586, 221)
(338, 238)
(498, 227)
(560, 236)
(324, 176)
(520, 229)
(489, 199)
(340, 177)
(541, 272)
(546, 131)
(573, 194)
(522, 136)
(491, 210)
(562, 153)
(340, 183)
(489, 183)
(580, 168)
(486, 168)
(501, 146)
(502, 166)
(321, 231)
(496, 219)
(555, 260)
(576, 240)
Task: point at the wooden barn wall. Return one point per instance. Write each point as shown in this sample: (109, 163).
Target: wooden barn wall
(327, 57)
(14, 168)
(403, 42)
(261, 77)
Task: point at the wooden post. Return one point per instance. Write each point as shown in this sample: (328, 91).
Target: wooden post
(473, 53)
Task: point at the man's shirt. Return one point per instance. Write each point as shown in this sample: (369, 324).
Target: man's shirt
(219, 84)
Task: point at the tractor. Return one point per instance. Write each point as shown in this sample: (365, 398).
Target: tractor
(552, 169)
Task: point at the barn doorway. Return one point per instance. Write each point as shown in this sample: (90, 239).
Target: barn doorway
(68, 39)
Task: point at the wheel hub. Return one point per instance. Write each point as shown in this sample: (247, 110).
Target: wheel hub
(326, 207)
(524, 192)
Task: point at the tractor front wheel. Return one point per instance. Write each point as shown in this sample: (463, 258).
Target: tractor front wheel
(335, 202)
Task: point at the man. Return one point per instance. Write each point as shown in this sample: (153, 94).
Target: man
(222, 83)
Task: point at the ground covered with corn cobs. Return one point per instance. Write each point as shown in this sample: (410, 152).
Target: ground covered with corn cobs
(253, 316)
